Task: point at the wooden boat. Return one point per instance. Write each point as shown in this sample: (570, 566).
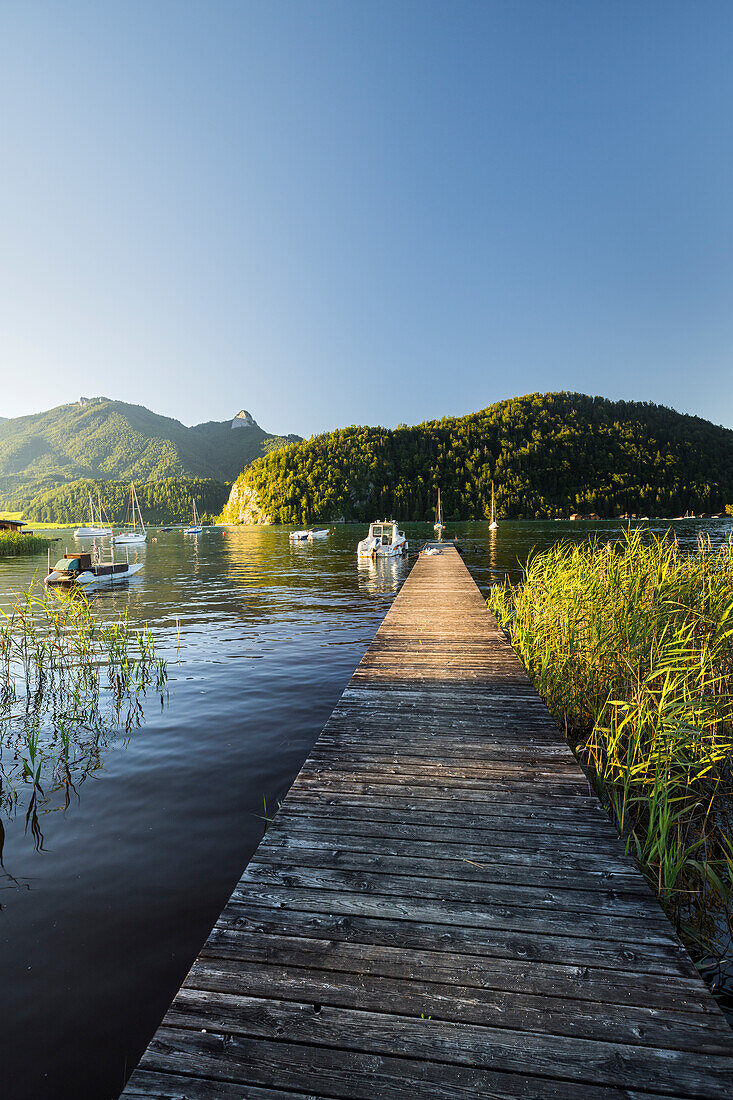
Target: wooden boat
(195, 528)
(95, 529)
(493, 525)
(130, 538)
(83, 569)
(383, 541)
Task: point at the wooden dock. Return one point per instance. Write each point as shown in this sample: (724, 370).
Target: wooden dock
(441, 908)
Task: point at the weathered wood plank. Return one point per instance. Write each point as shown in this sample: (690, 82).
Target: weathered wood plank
(347, 1074)
(316, 917)
(588, 983)
(441, 908)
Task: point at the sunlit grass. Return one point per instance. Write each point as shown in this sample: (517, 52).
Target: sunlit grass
(631, 647)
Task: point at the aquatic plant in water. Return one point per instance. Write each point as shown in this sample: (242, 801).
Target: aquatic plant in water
(14, 543)
(630, 645)
(69, 683)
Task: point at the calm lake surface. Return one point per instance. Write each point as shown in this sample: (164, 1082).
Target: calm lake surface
(101, 919)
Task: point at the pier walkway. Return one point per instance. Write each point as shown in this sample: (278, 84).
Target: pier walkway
(441, 908)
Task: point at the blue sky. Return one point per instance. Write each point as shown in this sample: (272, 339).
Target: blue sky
(365, 212)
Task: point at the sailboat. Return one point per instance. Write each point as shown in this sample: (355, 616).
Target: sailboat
(493, 524)
(129, 538)
(195, 528)
(95, 529)
(439, 526)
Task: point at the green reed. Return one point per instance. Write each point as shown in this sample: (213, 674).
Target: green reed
(631, 647)
(13, 543)
(69, 681)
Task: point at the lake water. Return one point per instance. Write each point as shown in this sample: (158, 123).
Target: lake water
(101, 919)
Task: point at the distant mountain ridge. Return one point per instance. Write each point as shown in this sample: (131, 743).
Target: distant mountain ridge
(104, 440)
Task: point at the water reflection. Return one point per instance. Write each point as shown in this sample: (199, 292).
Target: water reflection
(136, 870)
(382, 575)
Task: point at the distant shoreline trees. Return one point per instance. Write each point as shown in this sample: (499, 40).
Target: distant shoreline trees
(165, 500)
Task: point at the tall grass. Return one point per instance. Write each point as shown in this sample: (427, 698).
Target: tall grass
(13, 543)
(69, 682)
(631, 647)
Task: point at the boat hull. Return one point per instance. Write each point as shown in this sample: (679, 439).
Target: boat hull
(380, 552)
(104, 575)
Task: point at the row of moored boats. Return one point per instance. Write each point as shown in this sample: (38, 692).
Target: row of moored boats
(385, 540)
(99, 527)
(99, 565)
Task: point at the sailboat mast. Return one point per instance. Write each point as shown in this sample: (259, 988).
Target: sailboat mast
(136, 504)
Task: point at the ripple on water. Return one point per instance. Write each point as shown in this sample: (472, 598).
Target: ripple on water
(98, 929)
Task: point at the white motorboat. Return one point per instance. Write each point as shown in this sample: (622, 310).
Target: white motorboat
(439, 526)
(493, 525)
(83, 569)
(195, 528)
(134, 536)
(95, 529)
(383, 541)
(309, 534)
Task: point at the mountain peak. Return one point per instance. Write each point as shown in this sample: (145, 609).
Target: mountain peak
(243, 419)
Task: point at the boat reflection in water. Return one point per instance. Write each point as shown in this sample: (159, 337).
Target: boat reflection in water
(380, 576)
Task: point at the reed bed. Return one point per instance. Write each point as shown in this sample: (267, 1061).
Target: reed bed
(69, 683)
(631, 647)
(14, 543)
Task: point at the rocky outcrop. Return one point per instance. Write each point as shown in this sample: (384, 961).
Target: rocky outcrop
(243, 419)
(243, 506)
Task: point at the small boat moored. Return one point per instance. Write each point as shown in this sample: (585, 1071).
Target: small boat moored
(493, 525)
(130, 538)
(309, 534)
(439, 526)
(195, 527)
(83, 569)
(383, 541)
(96, 528)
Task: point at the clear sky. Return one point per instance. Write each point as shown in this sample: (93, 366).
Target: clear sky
(365, 212)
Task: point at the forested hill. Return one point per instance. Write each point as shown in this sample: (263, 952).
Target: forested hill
(165, 500)
(548, 455)
(110, 440)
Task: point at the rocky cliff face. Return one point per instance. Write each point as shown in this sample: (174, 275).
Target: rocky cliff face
(243, 419)
(243, 507)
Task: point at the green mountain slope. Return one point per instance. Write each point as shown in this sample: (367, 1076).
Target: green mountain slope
(548, 454)
(108, 440)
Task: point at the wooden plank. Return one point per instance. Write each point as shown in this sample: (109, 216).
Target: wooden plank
(559, 1017)
(588, 983)
(441, 908)
(316, 917)
(346, 1074)
(311, 853)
